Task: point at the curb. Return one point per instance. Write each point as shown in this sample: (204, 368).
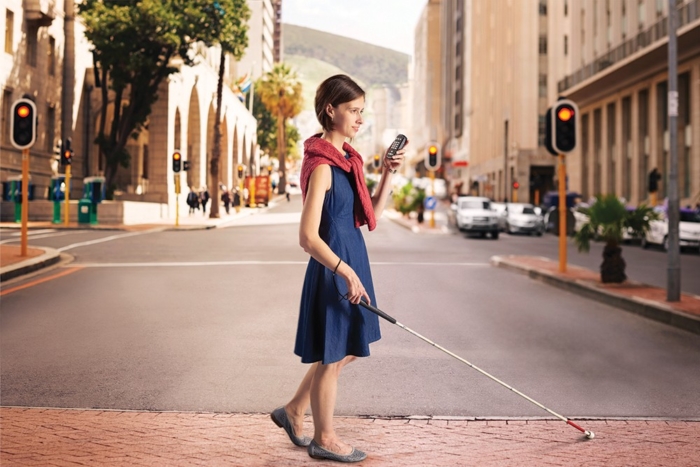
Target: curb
(50, 257)
(399, 220)
(646, 308)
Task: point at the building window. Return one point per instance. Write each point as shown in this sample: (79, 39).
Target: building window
(566, 7)
(9, 30)
(543, 45)
(31, 45)
(541, 129)
(659, 7)
(458, 72)
(459, 21)
(583, 27)
(612, 150)
(52, 56)
(543, 85)
(6, 102)
(566, 45)
(458, 122)
(50, 128)
(144, 167)
(641, 13)
(458, 49)
(458, 96)
(624, 19)
(644, 146)
(543, 7)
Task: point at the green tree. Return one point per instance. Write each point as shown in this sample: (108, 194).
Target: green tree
(134, 43)
(225, 23)
(267, 130)
(608, 219)
(280, 92)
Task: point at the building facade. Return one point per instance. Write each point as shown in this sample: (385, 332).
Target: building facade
(612, 61)
(47, 57)
(260, 54)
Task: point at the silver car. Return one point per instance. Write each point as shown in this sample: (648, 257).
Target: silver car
(523, 218)
(474, 214)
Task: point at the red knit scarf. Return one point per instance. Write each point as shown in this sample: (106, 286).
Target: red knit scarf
(318, 151)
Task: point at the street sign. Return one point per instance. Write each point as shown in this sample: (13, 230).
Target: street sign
(430, 203)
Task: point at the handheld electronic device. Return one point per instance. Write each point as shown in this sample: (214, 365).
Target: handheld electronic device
(398, 143)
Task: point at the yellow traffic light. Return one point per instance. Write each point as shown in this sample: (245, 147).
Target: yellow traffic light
(23, 111)
(432, 150)
(565, 114)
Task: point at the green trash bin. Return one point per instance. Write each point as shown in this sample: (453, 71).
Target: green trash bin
(84, 207)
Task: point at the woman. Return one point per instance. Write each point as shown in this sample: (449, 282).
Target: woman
(333, 329)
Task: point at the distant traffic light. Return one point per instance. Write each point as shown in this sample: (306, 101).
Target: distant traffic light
(433, 160)
(240, 171)
(375, 163)
(563, 115)
(23, 124)
(185, 165)
(66, 153)
(177, 162)
(516, 185)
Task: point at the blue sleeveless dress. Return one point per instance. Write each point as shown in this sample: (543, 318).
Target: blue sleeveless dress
(331, 328)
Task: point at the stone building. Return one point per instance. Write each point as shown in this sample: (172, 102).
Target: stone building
(47, 57)
(611, 58)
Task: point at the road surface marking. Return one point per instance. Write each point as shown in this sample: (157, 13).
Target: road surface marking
(254, 263)
(36, 237)
(39, 281)
(106, 239)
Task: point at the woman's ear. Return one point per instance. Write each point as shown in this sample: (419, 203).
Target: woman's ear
(329, 111)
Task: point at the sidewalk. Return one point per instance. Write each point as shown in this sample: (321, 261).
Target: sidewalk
(130, 438)
(411, 222)
(636, 297)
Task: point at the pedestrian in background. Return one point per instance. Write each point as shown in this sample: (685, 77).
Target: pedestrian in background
(204, 199)
(226, 199)
(333, 330)
(192, 201)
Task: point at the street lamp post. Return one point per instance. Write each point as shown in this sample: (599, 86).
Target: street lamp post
(673, 292)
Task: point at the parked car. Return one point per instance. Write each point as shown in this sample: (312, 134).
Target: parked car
(500, 209)
(474, 214)
(521, 217)
(293, 180)
(688, 229)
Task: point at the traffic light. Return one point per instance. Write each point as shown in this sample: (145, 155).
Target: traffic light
(375, 163)
(185, 165)
(561, 121)
(177, 162)
(66, 153)
(23, 124)
(240, 171)
(516, 185)
(433, 161)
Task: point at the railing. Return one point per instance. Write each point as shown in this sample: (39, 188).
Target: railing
(686, 14)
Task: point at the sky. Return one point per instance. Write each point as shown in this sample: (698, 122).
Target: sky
(386, 23)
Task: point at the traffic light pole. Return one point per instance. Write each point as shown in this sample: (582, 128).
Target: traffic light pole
(432, 189)
(25, 200)
(562, 213)
(67, 205)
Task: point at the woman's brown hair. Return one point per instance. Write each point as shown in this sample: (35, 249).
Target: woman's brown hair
(335, 90)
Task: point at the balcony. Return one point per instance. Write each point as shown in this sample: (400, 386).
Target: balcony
(687, 14)
(40, 12)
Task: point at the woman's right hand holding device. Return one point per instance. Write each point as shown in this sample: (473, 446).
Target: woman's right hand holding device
(356, 291)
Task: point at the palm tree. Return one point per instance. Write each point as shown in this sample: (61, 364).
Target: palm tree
(230, 32)
(608, 220)
(280, 91)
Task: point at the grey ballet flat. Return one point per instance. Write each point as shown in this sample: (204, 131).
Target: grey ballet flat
(279, 416)
(317, 452)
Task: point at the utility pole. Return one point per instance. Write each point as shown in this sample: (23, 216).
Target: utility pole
(673, 293)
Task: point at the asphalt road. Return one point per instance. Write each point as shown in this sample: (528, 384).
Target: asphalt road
(205, 320)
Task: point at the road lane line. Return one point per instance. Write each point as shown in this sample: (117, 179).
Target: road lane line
(256, 263)
(39, 281)
(35, 237)
(106, 239)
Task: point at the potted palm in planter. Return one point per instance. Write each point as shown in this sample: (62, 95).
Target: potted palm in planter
(608, 219)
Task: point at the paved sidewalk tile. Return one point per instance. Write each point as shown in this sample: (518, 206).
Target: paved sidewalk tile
(59, 437)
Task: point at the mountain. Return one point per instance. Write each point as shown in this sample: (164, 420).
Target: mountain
(371, 64)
